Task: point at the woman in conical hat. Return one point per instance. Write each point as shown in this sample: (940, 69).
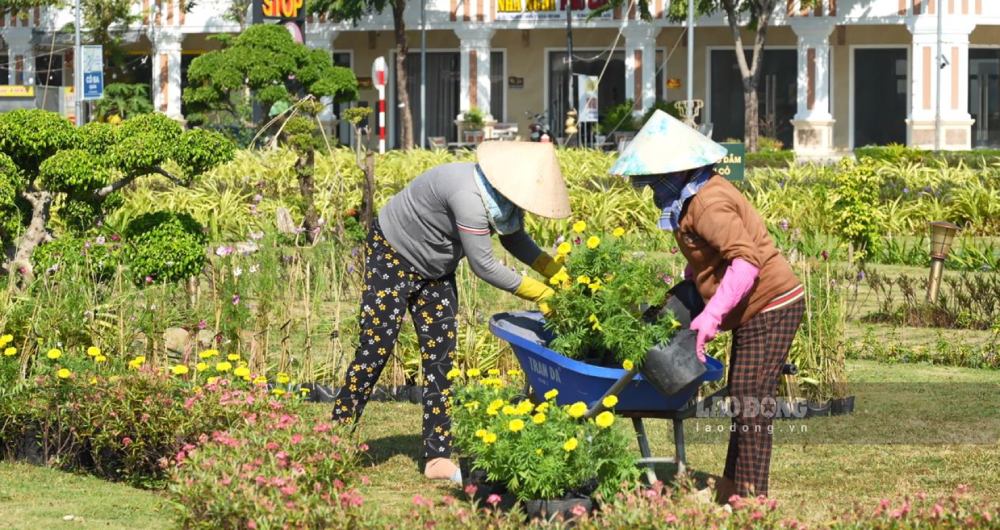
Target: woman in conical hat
(413, 250)
(748, 286)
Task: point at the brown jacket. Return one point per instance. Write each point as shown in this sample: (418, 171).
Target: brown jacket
(719, 225)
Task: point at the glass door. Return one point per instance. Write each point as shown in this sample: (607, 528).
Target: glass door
(984, 97)
(880, 91)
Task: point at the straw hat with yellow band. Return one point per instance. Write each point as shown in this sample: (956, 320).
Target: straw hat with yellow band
(665, 145)
(528, 175)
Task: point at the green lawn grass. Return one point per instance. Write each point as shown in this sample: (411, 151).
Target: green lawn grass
(811, 478)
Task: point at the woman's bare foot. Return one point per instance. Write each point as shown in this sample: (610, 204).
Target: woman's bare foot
(442, 469)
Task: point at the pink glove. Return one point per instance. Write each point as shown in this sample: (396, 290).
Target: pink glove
(735, 284)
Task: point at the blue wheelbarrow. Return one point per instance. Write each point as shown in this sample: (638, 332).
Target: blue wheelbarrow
(576, 381)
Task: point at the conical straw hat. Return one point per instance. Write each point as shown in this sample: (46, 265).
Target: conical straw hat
(665, 145)
(528, 174)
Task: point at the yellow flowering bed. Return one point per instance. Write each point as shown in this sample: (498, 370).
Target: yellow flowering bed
(596, 312)
(538, 451)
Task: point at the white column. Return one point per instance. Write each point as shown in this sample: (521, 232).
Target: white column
(167, 72)
(956, 122)
(321, 38)
(640, 58)
(20, 57)
(475, 58)
(813, 120)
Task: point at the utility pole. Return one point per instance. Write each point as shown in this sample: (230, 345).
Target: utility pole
(690, 52)
(569, 55)
(423, 74)
(78, 67)
(940, 66)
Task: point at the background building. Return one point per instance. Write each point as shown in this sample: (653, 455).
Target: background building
(847, 73)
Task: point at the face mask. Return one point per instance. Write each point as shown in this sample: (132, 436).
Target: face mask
(668, 189)
(504, 216)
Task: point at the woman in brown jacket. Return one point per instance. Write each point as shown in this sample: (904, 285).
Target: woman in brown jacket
(748, 286)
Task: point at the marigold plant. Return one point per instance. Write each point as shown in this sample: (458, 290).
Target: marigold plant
(596, 312)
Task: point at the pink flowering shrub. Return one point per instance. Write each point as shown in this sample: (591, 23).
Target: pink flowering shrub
(128, 427)
(279, 472)
(659, 507)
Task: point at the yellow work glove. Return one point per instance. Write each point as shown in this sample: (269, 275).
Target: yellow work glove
(536, 291)
(546, 266)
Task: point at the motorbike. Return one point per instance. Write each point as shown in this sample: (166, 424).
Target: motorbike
(539, 127)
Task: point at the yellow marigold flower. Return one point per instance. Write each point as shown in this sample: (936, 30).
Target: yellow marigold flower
(489, 438)
(453, 373)
(525, 407)
(201, 367)
(551, 394)
(472, 406)
(539, 451)
(508, 410)
(474, 372)
(93, 351)
(212, 380)
(480, 433)
(542, 407)
(180, 369)
(54, 354)
(515, 373)
(516, 425)
(577, 409)
(260, 380)
(579, 227)
(137, 362)
(100, 359)
(593, 242)
(242, 371)
(493, 371)
(282, 378)
(605, 419)
(628, 365)
(278, 392)
(223, 366)
(570, 445)
(4, 340)
(595, 323)
(208, 354)
(93, 380)
(10, 352)
(564, 248)
(610, 401)
(233, 357)
(618, 232)
(583, 279)
(538, 419)
(63, 373)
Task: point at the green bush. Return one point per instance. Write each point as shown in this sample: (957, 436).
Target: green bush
(619, 118)
(164, 247)
(859, 220)
(97, 258)
(900, 154)
(770, 159)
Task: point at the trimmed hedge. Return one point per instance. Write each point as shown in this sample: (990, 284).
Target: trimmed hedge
(899, 154)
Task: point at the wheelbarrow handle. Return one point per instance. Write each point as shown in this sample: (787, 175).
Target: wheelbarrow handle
(615, 389)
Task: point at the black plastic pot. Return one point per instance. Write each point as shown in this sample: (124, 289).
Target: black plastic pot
(551, 508)
(674, 366)
(817, 409)
(683, 300)
(839, 407)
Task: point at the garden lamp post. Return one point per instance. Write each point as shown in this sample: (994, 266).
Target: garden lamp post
(942, 234)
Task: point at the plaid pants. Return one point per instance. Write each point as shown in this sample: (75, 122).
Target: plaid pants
(393, 286)
(760, 348)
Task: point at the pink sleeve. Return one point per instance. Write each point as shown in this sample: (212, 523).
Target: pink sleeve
(734, 287)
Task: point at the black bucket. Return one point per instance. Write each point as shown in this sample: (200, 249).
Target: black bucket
(673, 366)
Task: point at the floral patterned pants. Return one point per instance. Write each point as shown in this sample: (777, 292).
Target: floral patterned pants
(392, 286)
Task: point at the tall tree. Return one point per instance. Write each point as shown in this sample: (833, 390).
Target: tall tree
(353, 10)
(277, 73)
(751, 15)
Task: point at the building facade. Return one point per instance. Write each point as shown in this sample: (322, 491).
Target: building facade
(844, 74)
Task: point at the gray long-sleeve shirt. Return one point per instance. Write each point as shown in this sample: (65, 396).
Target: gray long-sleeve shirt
(439, 218)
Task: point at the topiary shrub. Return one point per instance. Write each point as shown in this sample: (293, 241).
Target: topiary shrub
(98, 257)
(164, 247)
(50, 168)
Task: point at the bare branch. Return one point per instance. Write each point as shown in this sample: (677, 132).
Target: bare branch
(732, 16)
(115, 186)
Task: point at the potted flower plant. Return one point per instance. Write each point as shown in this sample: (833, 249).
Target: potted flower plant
(550, 458)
